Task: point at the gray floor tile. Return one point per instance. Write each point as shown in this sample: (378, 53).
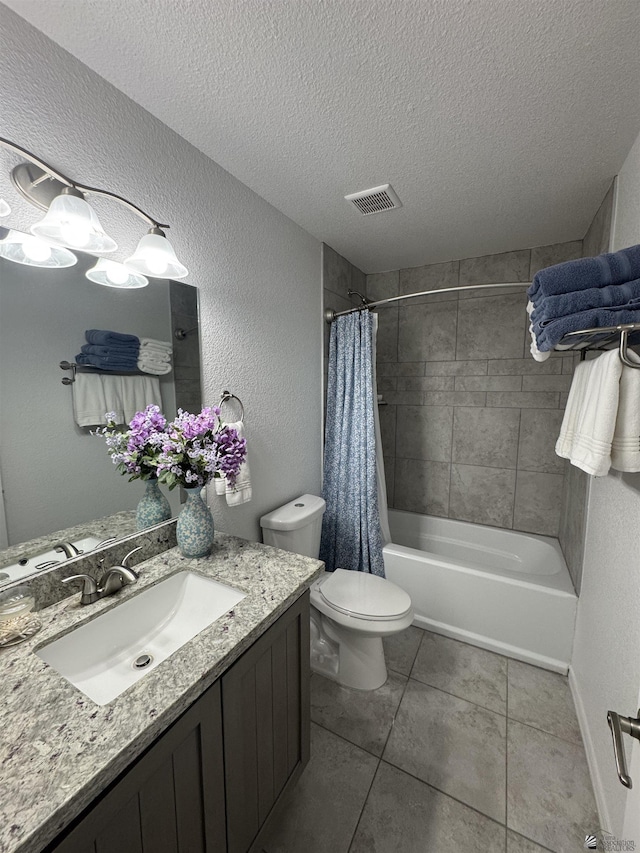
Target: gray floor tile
(453, 745)
(404, 814)
(322, 811)
(542, 699)
(400, 649)
(363, 717)
(549, 794)
(518, 844)
(473, 674)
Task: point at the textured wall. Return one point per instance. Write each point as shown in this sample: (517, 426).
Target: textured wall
(471, 419)
(606, 663)
(258, 272)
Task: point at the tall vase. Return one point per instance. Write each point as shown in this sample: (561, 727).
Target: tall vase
(154, 506)
(194, 530)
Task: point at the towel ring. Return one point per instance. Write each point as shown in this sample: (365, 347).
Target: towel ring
(226, 396)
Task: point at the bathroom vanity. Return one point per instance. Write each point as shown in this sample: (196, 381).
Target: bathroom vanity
(191, 757)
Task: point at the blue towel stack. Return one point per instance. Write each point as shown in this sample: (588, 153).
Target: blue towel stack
(583, 294)
(110, 351)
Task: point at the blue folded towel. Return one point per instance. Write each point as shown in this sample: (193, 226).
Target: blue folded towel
(128, 351)
(118, 365)
(584, 273)
(103, 337)
(620, 295)
(553, 332)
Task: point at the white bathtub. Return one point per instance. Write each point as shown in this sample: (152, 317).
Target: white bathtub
(501, 590)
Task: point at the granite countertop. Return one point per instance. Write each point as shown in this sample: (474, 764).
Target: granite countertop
(59, 750)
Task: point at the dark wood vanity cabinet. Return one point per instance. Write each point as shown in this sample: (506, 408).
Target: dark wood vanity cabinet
(208, 784)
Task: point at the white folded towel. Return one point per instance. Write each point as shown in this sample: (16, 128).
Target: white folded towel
(220, 485)
(152, 343)
(241, 493)
(155, 355)
(625, 446)
(89, 402)
(158, 368)
(590, 416)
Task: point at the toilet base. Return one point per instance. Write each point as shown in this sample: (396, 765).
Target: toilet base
(351, 660)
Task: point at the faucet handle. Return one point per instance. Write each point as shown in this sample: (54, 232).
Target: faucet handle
(89, 589)
(126, 557)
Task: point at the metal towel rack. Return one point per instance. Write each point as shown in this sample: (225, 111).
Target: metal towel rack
(602, 338)
(226, 396)
(88, 368)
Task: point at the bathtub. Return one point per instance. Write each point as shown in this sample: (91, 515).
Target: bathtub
(504, 591)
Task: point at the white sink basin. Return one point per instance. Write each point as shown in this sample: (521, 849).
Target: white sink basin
(109, 654)
(38, 562)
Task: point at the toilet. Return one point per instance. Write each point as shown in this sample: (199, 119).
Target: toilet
(350, 611)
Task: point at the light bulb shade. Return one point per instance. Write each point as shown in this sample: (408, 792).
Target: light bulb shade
(113, 274)
(155, 257)
(71, 221)
(5, 210)
(33, 252)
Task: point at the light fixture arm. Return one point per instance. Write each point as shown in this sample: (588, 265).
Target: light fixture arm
(63, 179)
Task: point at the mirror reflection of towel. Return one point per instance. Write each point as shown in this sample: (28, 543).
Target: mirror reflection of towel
(94, 394)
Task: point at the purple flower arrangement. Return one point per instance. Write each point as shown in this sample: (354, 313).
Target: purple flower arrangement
(188, 451)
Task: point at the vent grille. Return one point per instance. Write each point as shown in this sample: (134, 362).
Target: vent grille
(375, 200)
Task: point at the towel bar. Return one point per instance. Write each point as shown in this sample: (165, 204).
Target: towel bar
(601, 339)
(74, 368)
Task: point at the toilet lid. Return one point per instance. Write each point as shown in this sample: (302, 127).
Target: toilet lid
(364, 594)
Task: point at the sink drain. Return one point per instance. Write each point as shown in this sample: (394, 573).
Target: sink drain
(142, 661)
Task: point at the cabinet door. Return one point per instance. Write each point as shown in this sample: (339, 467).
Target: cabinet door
(265, 710)
(172, 798)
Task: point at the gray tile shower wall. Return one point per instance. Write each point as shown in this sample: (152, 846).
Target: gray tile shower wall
(338, 277)
(471, 419)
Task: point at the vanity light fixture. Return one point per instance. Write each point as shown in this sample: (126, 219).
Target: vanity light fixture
(155, 257)
(33, 252)
(112, 274)
(5, 210)
(70, 221)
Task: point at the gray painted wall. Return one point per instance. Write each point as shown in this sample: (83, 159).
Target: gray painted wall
(471, 419)
(258, 272)
(573, 513)
(605, 671)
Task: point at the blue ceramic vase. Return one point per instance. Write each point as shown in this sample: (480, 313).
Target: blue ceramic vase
(194, 530)
(154, 506)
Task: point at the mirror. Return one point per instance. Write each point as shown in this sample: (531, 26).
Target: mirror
(55, 474)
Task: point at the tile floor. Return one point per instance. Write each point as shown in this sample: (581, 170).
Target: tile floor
(461, 750)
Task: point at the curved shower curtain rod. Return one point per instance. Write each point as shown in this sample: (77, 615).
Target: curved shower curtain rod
(330, 315)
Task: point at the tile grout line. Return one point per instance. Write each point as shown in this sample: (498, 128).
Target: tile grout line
(364, 805)
(444, 793)
(366, 799)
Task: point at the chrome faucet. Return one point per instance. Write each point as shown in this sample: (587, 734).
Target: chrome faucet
(111, 581)
(68, 549)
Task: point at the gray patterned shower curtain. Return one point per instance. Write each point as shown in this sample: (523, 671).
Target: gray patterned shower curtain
(351, 531)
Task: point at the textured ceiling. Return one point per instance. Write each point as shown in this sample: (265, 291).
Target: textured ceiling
(500, 123)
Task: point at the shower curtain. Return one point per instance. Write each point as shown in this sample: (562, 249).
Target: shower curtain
(351, 531)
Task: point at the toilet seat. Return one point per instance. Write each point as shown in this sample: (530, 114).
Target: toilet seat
(364, 596)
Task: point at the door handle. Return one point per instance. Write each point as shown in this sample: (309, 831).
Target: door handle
(619, 726)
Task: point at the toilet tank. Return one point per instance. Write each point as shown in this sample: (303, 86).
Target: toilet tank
(296, 526)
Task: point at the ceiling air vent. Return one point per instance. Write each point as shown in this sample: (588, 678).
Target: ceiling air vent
(375, 200)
